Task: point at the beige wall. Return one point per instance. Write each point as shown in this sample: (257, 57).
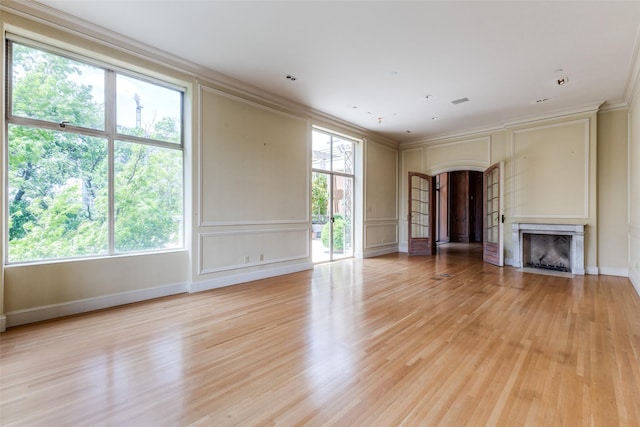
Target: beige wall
(253, 189)
(613, 256)
(549, 173)
(380, 199)
(634, 191)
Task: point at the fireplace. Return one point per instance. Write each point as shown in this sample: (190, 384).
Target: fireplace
(549, 247)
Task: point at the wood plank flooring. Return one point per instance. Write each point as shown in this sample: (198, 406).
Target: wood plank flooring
(388, 341)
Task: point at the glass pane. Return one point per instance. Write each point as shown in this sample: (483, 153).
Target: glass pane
(56, 89)
(57, 194)
(343, 217)
(148, 197)
(419, 207)
(148, 110)
(321, 150)
(320, 215)
(342, 155)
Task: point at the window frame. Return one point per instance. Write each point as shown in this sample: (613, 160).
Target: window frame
(110, 134)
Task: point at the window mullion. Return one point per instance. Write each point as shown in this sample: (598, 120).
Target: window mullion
(110, 127)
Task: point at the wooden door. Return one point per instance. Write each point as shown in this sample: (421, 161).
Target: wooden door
(493, 212)
(422, 218)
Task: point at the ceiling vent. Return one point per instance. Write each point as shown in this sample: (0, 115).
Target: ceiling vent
(460, 101)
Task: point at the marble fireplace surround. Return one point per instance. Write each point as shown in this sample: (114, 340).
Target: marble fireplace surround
(576, 231)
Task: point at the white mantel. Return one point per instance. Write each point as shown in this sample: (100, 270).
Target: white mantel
(576, 231)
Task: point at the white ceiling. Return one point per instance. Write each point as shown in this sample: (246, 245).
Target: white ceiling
(372, 63)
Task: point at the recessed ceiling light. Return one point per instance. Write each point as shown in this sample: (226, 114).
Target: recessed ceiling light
(428, 97)
(434, 118)
(354, 107)
(291, 77)
(407, 131)
(561, 81)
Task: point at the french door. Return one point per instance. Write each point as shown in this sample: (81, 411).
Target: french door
(421, 217)
(493, 245)
(332, 196)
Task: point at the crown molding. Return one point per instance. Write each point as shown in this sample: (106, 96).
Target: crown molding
(559, 114)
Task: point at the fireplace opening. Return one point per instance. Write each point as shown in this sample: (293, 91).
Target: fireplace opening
(546, 251)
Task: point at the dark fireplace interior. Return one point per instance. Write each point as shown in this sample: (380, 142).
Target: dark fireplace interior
(546, 251)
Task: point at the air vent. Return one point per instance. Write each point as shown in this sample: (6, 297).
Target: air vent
(460, 101)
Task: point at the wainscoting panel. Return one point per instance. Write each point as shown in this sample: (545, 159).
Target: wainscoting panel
(230, 250)
(383, 234)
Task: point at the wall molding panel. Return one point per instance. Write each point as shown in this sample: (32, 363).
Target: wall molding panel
(240, 249)
(262, 150)
(248, 276)
(539, 158)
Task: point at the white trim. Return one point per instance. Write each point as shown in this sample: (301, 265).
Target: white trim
(634, 277)
(378, 252)
(248, 277)
(403, 247)
(591, 270)
(554, 115)
(612, 271)
(37, 314)
(3, 323)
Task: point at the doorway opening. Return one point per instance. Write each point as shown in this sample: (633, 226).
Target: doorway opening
(459, 211)
(332, 196)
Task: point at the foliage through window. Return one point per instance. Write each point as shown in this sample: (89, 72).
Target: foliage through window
(76, 133)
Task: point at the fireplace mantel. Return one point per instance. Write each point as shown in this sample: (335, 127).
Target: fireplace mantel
(576, 231)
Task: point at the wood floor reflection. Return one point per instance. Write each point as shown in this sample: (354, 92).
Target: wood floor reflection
(393, 340)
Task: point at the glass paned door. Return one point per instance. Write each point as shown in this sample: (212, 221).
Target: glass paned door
(342, 224)
(421, 218)
(332, 196)
(492, 251)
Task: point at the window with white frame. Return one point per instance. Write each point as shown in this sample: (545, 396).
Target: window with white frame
(95, 158)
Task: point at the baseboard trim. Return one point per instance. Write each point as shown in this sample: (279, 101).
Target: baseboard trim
(634, 277)
(592, 270)
(611, 271)
(3, 323)
(47, 312)
(380, 251)
(236, 279)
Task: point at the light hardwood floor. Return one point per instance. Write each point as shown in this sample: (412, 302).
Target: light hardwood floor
(387, 341)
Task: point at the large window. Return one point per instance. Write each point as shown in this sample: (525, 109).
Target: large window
(95, 158)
